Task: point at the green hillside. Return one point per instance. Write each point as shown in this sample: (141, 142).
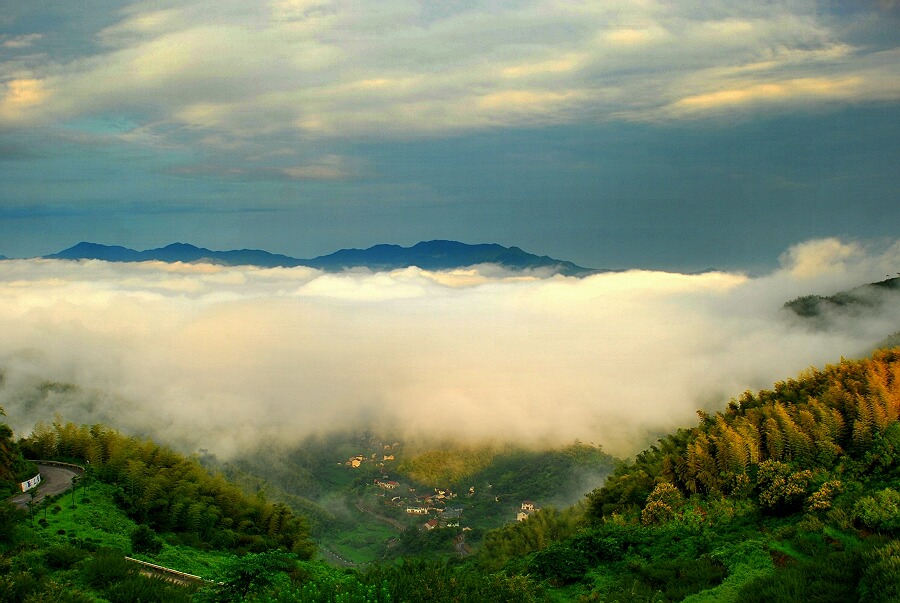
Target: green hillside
(789, 494)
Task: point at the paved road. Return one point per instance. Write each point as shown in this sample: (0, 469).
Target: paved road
(54, 480)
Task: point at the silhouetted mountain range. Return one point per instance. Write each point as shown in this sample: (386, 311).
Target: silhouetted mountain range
(428, 255)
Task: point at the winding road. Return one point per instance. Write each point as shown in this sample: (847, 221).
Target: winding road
(54, 480)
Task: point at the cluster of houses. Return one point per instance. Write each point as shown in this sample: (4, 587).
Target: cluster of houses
(433, 504)
(526, 510)
(355, 462)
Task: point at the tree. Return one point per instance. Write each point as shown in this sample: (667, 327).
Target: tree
(252, 574)
(780, 489)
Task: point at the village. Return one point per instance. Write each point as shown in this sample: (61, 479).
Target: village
(438, 507)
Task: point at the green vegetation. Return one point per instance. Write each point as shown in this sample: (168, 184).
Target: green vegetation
(789, 494)
(171, 493)
(363, 543)
(443, 467)
(354, 518)
(14, 469)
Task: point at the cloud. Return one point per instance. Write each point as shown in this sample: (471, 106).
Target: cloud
(22, 96)
(808, 88)
(23, 41)
(234, 71)
(820, 257)
(227, 357)
(328, 167)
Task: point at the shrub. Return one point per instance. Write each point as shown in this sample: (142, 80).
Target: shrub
(820, 500)
(830, 578)
(9, 517)
(780, 490)
(662, 505)
(58, 593)
(880, 512)
(63, 556)
(146, 590)
(16, 586)
(106, 567)
(678, 578)
(559, 564)
(252, 573)
(145, 540)
(881, 576)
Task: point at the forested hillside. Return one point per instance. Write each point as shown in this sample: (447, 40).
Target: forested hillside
(788, 494)
(840, 422)
(14, 469)
(172, 493)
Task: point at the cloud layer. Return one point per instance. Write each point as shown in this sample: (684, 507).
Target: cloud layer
(230, 71)
(225, 358)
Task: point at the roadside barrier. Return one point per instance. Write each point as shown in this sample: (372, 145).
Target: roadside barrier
(168, 573)
(71, 466)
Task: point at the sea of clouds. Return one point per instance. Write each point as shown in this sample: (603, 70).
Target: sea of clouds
(227, 358)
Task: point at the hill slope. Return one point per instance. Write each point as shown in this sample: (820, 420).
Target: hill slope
(787, 495)
(850, 302)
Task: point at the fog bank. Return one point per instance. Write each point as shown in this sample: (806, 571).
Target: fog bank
(224, 358)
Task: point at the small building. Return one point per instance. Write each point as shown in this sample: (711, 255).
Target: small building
(527, 509)
(416, 511)
(430, 524)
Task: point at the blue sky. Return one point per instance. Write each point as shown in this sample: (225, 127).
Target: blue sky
(657, 134)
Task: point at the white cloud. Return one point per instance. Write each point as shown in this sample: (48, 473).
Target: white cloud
(23, 41)
(820, 257)
(402, 68)
(218, 357)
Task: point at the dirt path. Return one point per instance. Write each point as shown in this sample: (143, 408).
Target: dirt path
(335, 559)
(393, 522)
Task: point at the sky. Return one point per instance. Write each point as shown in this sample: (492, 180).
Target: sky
(662, 135)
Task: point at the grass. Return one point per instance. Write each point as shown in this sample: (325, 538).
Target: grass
(363, 544)
(188, 560)
(97, 522)
(95, 519)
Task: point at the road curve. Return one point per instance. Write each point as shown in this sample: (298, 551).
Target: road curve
(54, 480)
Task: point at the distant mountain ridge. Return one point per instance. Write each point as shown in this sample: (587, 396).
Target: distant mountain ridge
(855, 300)
(428, 255)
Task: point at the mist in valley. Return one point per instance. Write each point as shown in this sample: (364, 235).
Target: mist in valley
(229, 359)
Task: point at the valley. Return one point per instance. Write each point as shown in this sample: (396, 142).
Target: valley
(373, 498)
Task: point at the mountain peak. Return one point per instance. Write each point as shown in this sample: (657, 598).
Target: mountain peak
(181, 247)
(97, 251)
